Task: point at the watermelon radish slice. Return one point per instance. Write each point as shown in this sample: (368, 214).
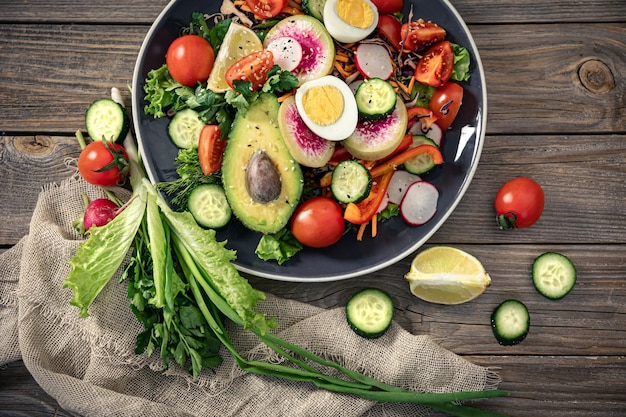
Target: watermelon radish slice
(287, 52)
(373, 61)
(419, 204)
(375, 139)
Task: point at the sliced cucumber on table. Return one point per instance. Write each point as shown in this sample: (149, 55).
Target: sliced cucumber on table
(369, 312)
(107, 120)
(510, 322)
(554, 275)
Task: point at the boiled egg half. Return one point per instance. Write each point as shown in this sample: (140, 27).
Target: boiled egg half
(350, 20)
(327, 106)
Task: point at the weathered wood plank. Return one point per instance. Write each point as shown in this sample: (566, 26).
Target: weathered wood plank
(528, 72)
(548, 386)
(144, 11)
(592, 212)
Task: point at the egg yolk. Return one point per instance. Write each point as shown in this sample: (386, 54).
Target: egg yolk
(356, 13)
(323, 104)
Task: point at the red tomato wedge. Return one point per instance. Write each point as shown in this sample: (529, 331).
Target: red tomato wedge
(389, 28)
(266, 9)
(435, 67)
(419, 33)
(210, 149)
(253, 68)
(446, 102)
(389, 6)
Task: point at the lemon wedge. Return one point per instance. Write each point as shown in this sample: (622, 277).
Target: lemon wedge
(239, 42)
(447, 275)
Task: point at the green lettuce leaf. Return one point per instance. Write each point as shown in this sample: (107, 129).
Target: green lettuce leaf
(100, 256)
(461, 71)
(280, 246)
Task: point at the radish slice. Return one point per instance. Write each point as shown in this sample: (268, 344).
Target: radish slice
(373, 61)
(434, 132)
(419, 204)
(354, 85)
(287, 52)
(384, 203)
(398, 185)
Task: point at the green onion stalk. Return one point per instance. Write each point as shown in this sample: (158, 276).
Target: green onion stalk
(192, 283)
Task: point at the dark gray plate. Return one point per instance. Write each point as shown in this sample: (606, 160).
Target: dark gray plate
(461, 148)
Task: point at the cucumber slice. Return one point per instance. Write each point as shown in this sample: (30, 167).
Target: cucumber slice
(351, 182)
(423, 163)
(510, 322)
(106, 119)
(375, 99)
(208, 205)
(554, 275)
(184, 128)
(314, 8)
(369, 312)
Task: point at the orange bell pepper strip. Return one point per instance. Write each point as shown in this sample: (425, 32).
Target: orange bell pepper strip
(362, 212)
(410, 153)
(425, 116)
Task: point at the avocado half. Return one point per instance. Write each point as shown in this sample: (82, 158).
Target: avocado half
(263, 182)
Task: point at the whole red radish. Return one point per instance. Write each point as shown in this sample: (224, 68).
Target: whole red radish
(99, 212)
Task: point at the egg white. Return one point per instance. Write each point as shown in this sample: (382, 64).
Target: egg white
(347, 121)
(341, 30)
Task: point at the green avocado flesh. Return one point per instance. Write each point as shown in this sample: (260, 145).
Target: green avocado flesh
(263, 182)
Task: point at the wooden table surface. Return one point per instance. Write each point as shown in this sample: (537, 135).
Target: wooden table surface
(556, 80)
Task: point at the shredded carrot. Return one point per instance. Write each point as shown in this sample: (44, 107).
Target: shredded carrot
(374, 225)
(285, 96)
(341, 71)
(342, 57)
(291, 10)
(244, 7)
(326, 180)
(359, 235)
(239, 2)
(411, 84)
(404, 88)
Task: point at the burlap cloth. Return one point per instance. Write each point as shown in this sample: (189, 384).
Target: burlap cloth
(90, 368)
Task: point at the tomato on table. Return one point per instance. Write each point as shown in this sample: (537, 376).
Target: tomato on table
(445, 103)
(266, 9)
(103, 163)
(389, 6)
(519, 203)
(211, 149)
(318, 222)
(435, 67)
(389, 28)
(190, 59)
(253, 68)
(419, 33)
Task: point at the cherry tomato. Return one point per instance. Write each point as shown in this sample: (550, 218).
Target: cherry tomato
(419, 33)
(435, 67)
(103, 163)
(318, 222)
(210, 149)
(266, 9)
(445, 103)
(519, 203)
(389, 6)
(253, 68)
(389, 28)
(190, 59)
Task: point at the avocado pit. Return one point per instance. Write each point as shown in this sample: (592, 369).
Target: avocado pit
(262, 178)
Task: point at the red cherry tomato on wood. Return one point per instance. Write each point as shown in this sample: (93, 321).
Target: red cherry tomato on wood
(419, 33)
(435, 67)
(519, 203)
(253, 68)
(190, 59)
(389, 6)
(318, 222)
(445, 103)
(103, 163)
(210, 149)
(389, 28)
(266, 9)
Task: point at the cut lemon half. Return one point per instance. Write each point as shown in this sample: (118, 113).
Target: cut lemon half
(446, 275)
(239, 42)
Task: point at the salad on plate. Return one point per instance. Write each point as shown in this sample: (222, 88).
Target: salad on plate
(307, 120)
